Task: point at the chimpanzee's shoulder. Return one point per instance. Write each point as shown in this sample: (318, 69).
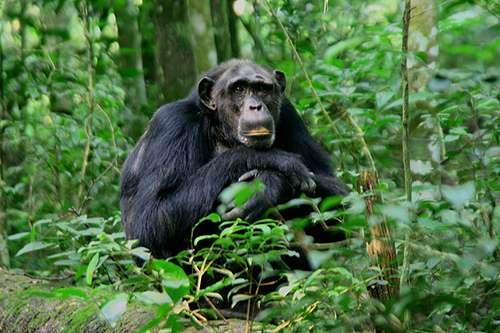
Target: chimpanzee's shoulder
(177, 114)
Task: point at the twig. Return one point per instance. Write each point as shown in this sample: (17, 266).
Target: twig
(215, 308)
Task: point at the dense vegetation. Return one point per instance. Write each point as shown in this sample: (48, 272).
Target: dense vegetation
(80, 79)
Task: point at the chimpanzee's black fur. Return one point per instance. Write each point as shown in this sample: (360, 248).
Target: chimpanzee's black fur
(175, 173)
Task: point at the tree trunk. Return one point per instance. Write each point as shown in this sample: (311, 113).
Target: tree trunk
(202, 37)
(232, 21)
(131, 67)
(381, 246)
(422, 39)
(4, 250)
(423, 54)
(222, 35)
(174, 50)
(257, 41)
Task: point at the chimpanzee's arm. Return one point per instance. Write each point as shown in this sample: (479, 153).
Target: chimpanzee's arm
(171, 180)
(294, 137)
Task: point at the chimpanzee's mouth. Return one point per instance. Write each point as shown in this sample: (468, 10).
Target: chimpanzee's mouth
(258, 132)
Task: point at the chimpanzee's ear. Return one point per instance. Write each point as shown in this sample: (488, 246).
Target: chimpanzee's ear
(205, 87)
(281, 79)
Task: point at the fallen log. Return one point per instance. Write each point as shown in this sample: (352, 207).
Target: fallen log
(23, 309)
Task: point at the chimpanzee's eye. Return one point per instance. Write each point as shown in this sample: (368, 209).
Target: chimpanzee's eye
(239, 89)
(264, 89)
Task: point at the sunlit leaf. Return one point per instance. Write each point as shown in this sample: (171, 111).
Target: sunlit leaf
(141, 252)
(153, 297)
(115, 308)
(19, 235)
(174, 280)
(239, 298)
(91, 267)
(33, 246)
(459, 195)
(71, 292)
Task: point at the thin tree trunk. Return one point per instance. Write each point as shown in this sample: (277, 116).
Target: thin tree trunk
(131, 67)
(405, 116)
(420, 30)
(85, 16)
(257, 41)
(233, 30)
(174, 50)
(222, 34)
(4, 250)
(129, 38)
(381, 246)
(202, 37)
(422, 38)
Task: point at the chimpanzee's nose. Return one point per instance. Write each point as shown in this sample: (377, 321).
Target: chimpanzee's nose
(255, 106)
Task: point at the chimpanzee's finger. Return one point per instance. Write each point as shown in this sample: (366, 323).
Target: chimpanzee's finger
(308, 186)
(248, 175)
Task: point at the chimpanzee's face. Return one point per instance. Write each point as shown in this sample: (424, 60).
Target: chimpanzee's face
(247, 101)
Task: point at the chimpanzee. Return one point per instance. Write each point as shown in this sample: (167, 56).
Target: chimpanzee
(237, 124)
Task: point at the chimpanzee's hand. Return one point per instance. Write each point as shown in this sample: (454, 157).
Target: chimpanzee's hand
(288, 164)
(276, 191)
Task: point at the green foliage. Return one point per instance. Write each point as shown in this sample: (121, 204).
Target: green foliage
(63, 140)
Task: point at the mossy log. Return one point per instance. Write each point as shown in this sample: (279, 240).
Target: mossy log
(24, 309)
(21, 310)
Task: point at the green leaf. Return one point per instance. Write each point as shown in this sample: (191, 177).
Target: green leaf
(91, 269)
(174, 280)
(71, 292)
(332, 52)
(459, 195)
(396, 212)
(33, 246)
(330, 203)
(154, 297)
(141, 252)
(214, 217)
(18, 235)
(239, 298)
(240, 193)
(114, 309)
(204, 237)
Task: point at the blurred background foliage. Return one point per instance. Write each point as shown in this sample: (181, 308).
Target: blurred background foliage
(81, 78)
